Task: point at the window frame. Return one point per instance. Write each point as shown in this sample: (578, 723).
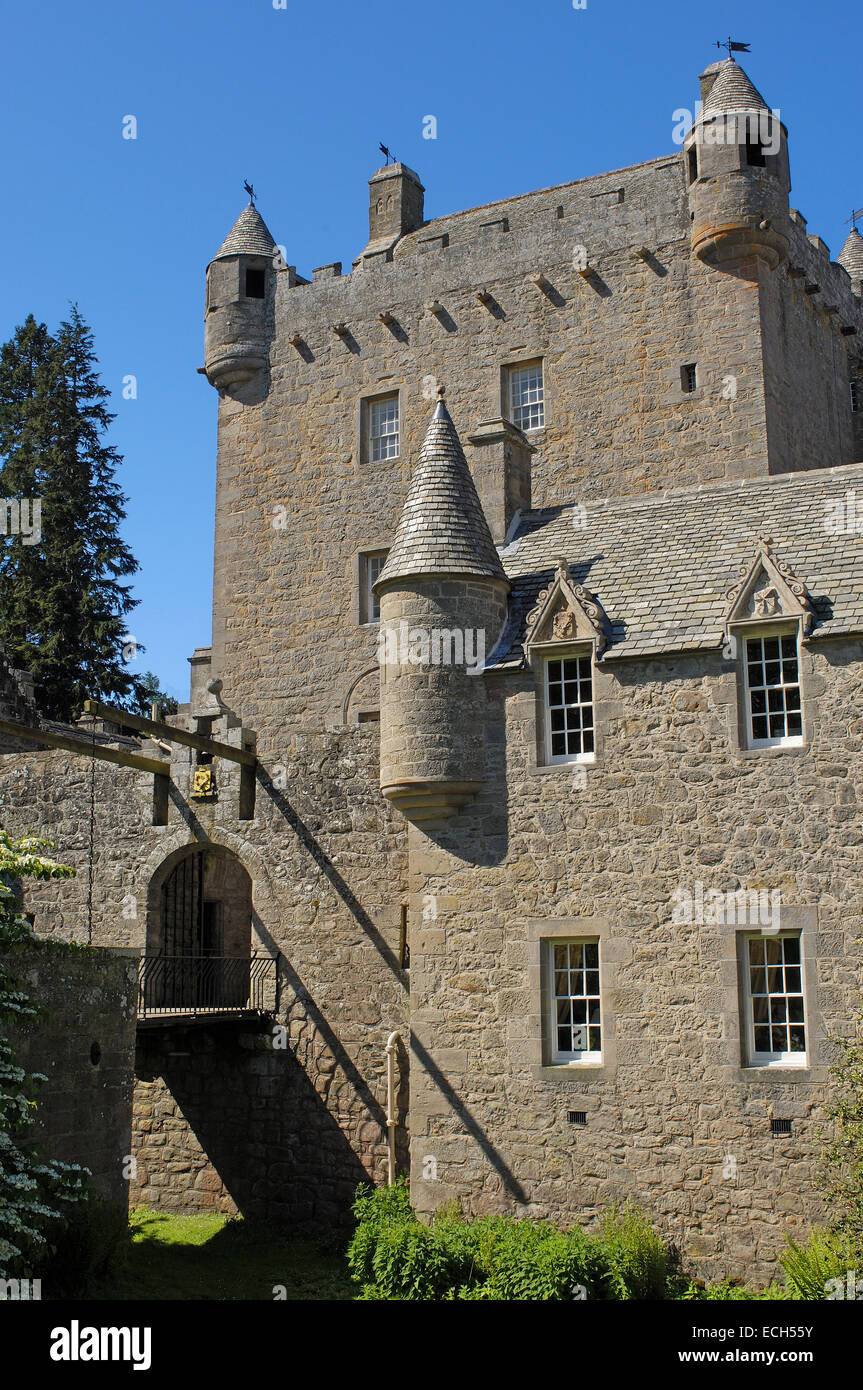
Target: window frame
(367, 599)
(369, 405)
(556, 1056)
(774, 1060)
(579, 651)
(511, 372)
(778, 629)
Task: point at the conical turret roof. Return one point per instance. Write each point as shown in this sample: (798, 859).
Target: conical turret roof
(851, 255)
(249, 234)
(732, 91)
(442, 528)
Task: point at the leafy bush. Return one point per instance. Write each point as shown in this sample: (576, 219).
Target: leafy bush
(375, 1209)
(728, 1290)
(637, 1258)
(35, 1197)
(826, 1255)
(536, 1261)
(497, 1257)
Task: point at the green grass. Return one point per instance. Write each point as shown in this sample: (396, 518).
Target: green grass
(219, 1257)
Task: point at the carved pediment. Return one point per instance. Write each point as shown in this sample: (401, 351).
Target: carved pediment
(566, 612)
(768, 588)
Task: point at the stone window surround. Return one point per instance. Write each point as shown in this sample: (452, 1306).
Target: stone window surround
(735, 986)
(797, 1060)
(587, 1056)
(540, 931)
(524, 358)
(810, 687)
(539, 653)
(614, 949)
(577, 652)
(673, 380)
(358, 584)
(779, 629)
(363, 451)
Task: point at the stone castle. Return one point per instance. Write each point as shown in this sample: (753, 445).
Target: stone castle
(537, 630)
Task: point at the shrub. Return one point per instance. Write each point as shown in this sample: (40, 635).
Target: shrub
(826, 1255)
(36, 1196)
(497, 1257)
(535, 1261)
(637, 1258)
(727, 1290)
(375, 1209)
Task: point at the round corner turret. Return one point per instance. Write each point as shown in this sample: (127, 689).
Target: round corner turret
(443, 605)
(738, 178)
(240, 308)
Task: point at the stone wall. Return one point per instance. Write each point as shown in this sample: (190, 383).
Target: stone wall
(84, 1044)
(249, 1118)
(326, 857)
(670, 801)
(297, 502)
(807, 359)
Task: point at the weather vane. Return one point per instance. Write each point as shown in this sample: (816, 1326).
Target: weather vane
(732, 46)
(250, 190)
(383, 149)
(852, 220)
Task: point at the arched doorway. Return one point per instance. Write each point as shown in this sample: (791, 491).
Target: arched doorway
(199, 934)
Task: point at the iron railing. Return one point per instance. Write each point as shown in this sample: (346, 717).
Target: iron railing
(206, 984)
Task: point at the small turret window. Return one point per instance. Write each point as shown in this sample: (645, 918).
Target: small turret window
(755, 154)
(688, 377)
(856, 396)
(693, 163)
(256, 284)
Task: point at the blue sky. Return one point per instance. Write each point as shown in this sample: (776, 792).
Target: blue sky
(296, 100)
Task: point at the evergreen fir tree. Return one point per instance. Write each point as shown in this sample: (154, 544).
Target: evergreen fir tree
(63, 604)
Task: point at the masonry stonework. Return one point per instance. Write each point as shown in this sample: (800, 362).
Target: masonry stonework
(698, 348)
(83, 1044)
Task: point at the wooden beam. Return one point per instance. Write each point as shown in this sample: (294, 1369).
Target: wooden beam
(167, 731)
(156, 766)
(248, 783)
(161, 799)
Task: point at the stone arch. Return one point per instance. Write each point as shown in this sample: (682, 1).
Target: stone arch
(199, 902)
(265, 912)
(204, 927)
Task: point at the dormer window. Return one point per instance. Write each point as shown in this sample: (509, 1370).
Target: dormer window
(566, 634)
(770, 612)
(772, 676)
(569, 730)
(255, 283)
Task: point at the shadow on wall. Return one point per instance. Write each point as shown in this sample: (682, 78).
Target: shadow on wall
(234, 1116)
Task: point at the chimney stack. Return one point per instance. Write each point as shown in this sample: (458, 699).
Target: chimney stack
(395, 202)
